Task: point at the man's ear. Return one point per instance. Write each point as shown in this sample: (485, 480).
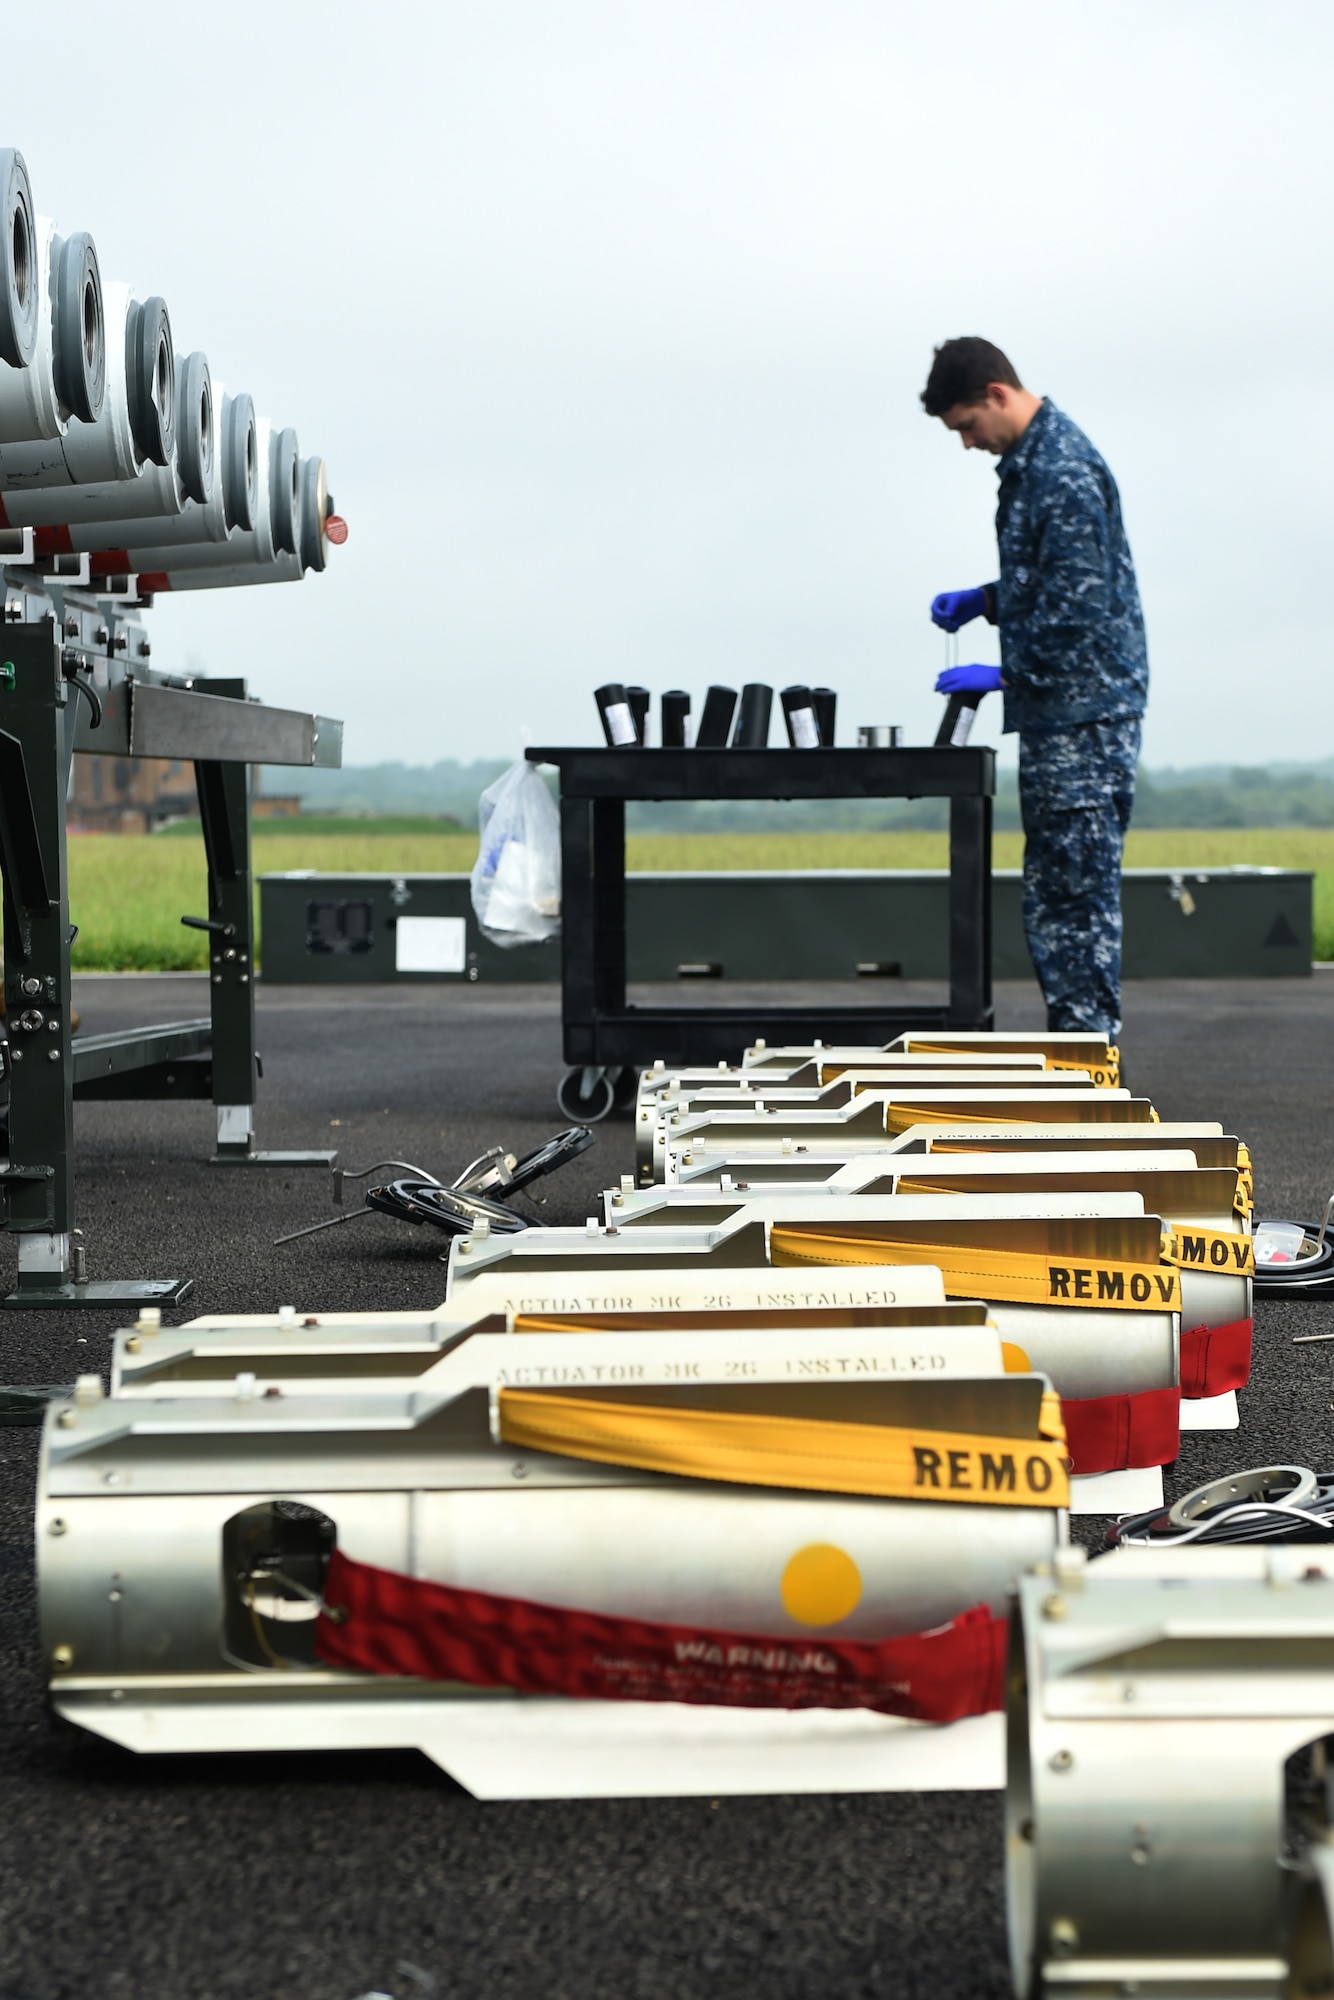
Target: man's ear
(999, 394)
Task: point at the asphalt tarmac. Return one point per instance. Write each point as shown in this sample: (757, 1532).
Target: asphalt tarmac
(324, 1877)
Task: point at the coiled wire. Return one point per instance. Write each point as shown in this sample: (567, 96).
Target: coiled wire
(1198, 1518)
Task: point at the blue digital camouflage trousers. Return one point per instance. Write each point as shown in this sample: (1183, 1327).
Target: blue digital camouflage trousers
(1076, 790)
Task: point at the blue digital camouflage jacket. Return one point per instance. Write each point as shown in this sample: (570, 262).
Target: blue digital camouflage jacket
(1066, 602)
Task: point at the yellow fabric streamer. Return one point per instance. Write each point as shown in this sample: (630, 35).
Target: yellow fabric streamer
(743, 1448)
(1105, 1075)
(1105, 1070)
(1093, 1110)
(1026, 1277)
(1228, 1253)
(1159, 1190)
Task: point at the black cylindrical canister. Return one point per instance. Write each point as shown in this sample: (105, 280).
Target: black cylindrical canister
(618, 722)
(716, 720)
(676, 719)
(752, 722)
(639, 700)
(957, 721)
(803, 729)
(825, 703)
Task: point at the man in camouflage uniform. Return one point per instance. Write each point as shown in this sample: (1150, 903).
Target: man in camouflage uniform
(1074, 668)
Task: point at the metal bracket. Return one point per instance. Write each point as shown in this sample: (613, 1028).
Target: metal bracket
(17, 546)
(80, 574)
(241, 1158)
(35, 1176)
(120, 1293)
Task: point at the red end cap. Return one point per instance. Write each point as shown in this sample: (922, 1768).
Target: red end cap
(336, 530)
(52, 542)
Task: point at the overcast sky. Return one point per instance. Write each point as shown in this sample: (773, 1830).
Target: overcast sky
(610, 322)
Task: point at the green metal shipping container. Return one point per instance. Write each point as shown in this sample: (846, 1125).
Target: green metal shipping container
(803, 924)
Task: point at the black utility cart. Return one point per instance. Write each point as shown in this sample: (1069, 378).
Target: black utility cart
(606, 1040)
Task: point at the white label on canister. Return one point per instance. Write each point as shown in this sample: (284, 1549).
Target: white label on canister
(777, 1354)
(621, 722)
(430, 944)
(963, 722)
(805, 729)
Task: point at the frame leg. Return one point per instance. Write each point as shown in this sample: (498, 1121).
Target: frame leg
(609, 906)
(38, 742)
(578, 930)
(224, 809)
(970, 913)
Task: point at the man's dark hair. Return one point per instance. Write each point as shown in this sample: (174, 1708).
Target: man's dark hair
(961, 371)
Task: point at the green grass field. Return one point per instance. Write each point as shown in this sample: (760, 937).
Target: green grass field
(128, 892)
(316, 826)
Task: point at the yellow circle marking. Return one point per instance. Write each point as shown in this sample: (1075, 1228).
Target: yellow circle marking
(821, 1585)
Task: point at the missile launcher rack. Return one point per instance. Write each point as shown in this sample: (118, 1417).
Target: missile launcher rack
(124, 470)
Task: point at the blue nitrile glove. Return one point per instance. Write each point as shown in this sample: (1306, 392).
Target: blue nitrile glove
(969, 680)
(954, 608)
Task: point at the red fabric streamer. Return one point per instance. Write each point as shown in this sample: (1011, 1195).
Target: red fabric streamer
(1215, 1358)
(380, 1622)
(1108, 1433)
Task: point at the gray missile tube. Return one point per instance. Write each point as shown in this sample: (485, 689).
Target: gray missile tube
(195, 429)
(150, 399)
(230, 576)
(247, 555)
(240, 462)
(197, 522)
(150, 372)
(20, 281)
(105, 450)
(67, 374)
(285, 491)
(314, 513)
(257, 557)
(79, 351)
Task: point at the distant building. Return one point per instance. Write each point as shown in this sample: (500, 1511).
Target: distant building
(130, 794)
(274, 805)
(140, 794)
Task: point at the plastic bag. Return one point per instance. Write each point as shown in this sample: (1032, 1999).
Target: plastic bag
(516, 882)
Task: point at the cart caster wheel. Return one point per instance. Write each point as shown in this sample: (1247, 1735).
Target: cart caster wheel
(585, 1095)
(625, 1088)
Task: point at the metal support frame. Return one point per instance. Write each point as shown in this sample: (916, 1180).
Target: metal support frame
(45, 716)
(168, 1061)
(601, 1030)
(224, 811)
(36, 745)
